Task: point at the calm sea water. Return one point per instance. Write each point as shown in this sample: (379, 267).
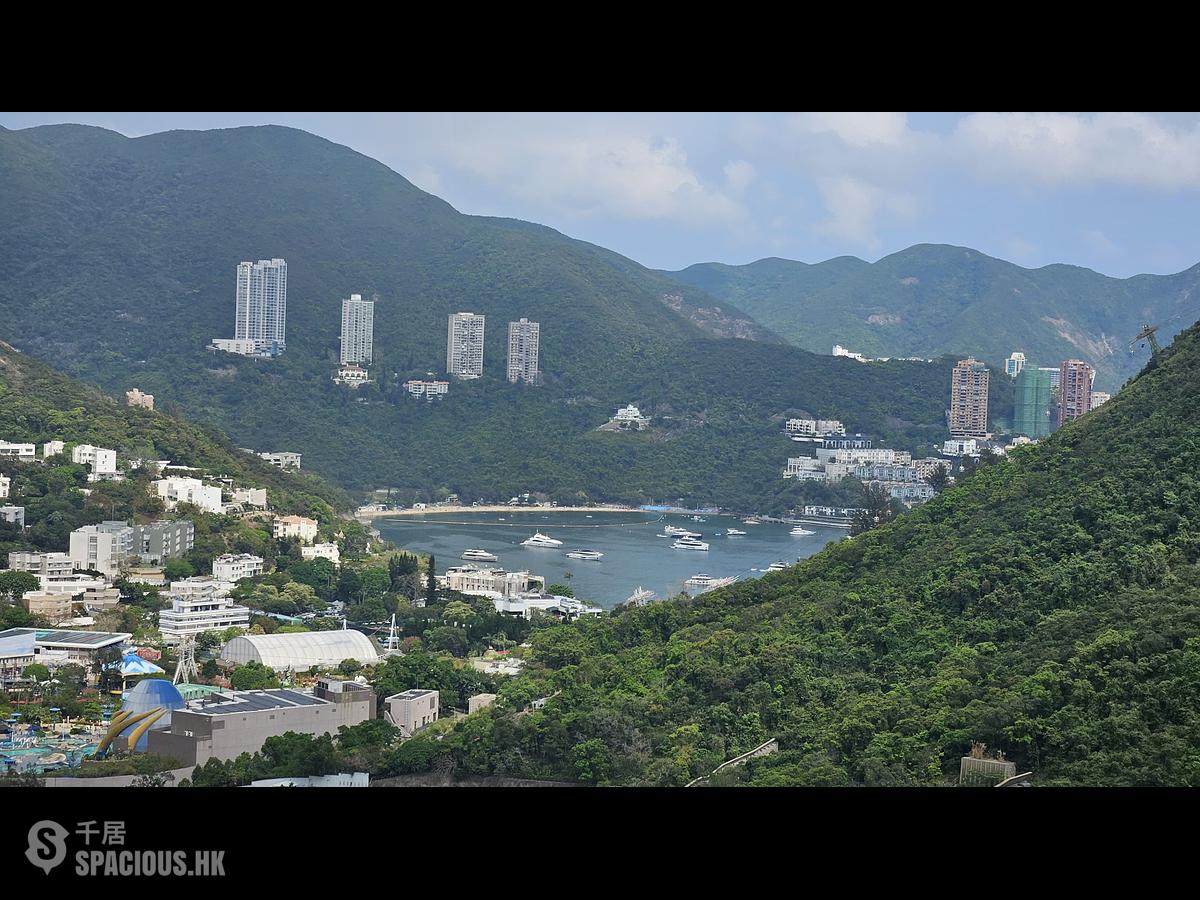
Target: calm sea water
(633, 554)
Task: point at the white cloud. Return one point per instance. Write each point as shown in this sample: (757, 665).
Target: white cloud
(738, 175)
(1132, 149)
(1019, 248)
(594, 171)
(855, 205)
(1098, 242)
(858, 129)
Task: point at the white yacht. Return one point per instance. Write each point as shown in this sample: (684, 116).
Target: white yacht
(540, 540)
(689, 543)
(584, 554)
(801, 530)
(733, 532)
(776, 567)
(708, 583)
(481, 555)
(673, 531)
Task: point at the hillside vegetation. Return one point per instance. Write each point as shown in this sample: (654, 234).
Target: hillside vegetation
(932, 299)
(1049, 606)
(120, 254)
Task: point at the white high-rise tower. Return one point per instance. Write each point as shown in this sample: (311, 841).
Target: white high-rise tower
(523, 351)
(261, 317)
(358, 318)
(464, 345)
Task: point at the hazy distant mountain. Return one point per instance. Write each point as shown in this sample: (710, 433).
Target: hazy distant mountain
(933, 299)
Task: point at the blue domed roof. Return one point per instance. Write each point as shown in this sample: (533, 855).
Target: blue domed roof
(148, 694)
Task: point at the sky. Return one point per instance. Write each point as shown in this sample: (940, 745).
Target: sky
(1115, 192)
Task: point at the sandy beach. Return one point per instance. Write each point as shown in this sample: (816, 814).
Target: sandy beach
(493, 509)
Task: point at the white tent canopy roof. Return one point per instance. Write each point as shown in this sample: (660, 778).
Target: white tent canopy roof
(300, 651)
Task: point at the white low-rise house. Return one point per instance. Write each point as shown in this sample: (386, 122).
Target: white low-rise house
(102, 461)
(525, 606)
(236, 566)
(967, 447)
(19, 451)
(202, 586)
(52, 448)
(73, 585)
(430, 390)
(5, 486)
(102, 548)
(175, 490)
(137, 398)
(861, 455)
(13, 515)
(295, 526)
(284, 460)
(1099, 398)
(352, 375)
(805, 468)
(43, 565)
(913, 491)
(630, 417)
(411, 710)
(490, 583)
(256, 497)
(814, 427)
(839, 350)
(322, 551)
(193, 614)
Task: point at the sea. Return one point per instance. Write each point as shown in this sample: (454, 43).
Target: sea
(634, 553)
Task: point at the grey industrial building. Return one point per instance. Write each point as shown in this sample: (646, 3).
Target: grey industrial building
(224, 725)
(412, 710)
(160, 541)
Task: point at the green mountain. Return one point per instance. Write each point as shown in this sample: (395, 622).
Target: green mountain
(933, 299)
(1049, 607)
(119, 258)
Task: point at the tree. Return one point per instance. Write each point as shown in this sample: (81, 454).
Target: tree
(253, 676)
(13, 585)
(38, 672)
(877, 509)
(560, 590)
(431, 584)
(154, 779)
(349, 666)
(940, 478)
(458, 613)
(176, 569)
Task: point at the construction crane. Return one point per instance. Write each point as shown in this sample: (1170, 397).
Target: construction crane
(1147, 334)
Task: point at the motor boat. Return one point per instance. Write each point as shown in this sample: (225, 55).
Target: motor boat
(481, 555)
(540, 540)
(707, 582)
(698, 519)
(584, 554)
(689, 543)
(676, 531)
(776, 567)
(733, 532)
(800, 530)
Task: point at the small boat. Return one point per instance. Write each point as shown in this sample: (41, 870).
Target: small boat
(801, 530)
(482, 555)
(751, 522)
(733, 532)
(698, 519)
(584, 554)
(689, 543)
(540, 540)
(776, 567)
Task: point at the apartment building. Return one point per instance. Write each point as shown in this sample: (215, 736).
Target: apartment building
(814, 427)
(18, 451)
(1074, 390)
(160, 541)
(430, 390)
(286, 527)
(969, 399)
(523, 340)
(236, 566)
(464, 345)
(101, 460)
(260, 318)
(102, 548)
(137, 398)
(175, 490)
(358, 325)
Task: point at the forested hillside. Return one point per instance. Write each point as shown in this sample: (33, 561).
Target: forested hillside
(932, 299)
(1049, 606)
(119, 257)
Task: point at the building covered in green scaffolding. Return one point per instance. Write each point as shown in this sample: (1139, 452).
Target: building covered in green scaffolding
(1033, 402)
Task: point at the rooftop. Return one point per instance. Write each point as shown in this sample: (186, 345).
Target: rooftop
(231, 702)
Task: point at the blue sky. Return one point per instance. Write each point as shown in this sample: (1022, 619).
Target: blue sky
(1115, 192)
